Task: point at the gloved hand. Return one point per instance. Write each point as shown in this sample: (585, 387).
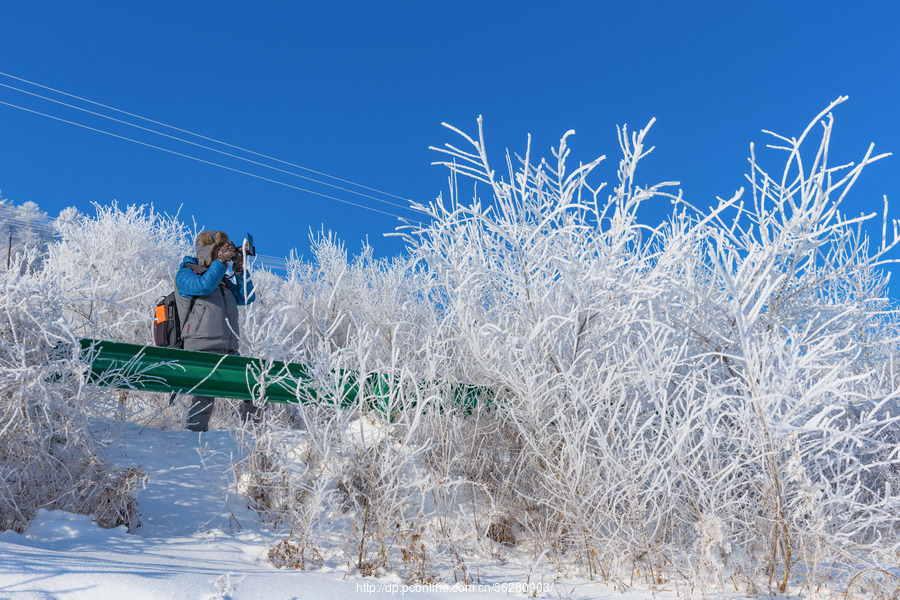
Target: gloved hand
(227, 252)
(238, 264)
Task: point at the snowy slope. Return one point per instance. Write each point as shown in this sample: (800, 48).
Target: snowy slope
(197, 541)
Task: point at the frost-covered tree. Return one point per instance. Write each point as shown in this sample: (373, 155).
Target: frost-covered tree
(24, 227)
(115, 266)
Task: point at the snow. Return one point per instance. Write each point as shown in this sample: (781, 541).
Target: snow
(198, 540)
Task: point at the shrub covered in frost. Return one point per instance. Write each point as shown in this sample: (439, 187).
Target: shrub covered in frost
(99, 278)
(48, 459)
(712, 398)
(114, 266)
(716, 392)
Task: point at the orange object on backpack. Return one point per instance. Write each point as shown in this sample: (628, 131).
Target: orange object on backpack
(160, 313)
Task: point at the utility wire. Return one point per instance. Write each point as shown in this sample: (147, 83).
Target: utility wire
(48, 227)
(204, 137)
(331, 185)
(44, 226)
(121, 137)
(267, 257)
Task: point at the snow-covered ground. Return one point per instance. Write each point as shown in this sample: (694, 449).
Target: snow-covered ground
(198, 540)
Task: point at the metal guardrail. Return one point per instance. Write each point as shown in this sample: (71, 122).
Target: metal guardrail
(151, 368)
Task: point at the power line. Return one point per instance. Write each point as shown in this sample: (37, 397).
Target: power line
(266, 261)
(203, 137)
(269, 265)
(207, 147)
(121, 137)
(47, 224)
(267, 257)
(44, 226)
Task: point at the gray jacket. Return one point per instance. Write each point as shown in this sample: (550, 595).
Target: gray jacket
(212, 325)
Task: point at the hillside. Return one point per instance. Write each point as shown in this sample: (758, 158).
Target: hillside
(198, 539)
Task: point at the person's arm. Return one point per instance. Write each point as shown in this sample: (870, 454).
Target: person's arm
(191, 284)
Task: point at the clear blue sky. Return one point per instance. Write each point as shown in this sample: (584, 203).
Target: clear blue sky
(359, 90)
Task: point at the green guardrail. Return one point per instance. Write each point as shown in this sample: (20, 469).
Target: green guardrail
(151, 368)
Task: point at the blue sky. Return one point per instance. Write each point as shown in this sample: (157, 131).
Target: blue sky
(359, 91)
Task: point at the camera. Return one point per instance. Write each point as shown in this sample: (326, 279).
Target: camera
(249, 248)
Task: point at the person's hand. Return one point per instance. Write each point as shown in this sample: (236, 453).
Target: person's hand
(238, 264)
(227, 253)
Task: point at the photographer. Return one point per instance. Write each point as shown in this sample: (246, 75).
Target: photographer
(207, 301)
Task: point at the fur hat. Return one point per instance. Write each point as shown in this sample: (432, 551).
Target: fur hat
(205, 242)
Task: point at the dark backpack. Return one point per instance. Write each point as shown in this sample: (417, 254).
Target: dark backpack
(167, 325)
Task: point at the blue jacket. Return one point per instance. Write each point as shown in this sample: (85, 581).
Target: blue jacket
(211, 324)
(189, 283)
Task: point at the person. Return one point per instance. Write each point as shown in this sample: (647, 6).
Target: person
(207, 301)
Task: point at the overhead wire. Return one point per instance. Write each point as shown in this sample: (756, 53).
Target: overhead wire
(331, 185)
(201, 160)
(270, 257)
(267, 261)
(347, 181)
(46, 226)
